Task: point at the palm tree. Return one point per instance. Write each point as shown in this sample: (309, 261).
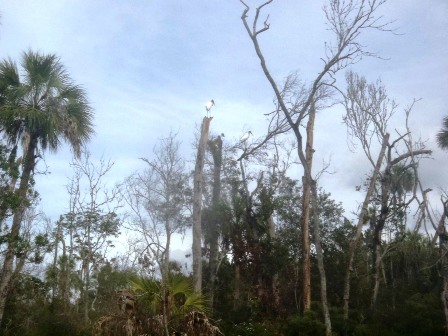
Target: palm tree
(39, 107)
(171, 301)
(442, 136)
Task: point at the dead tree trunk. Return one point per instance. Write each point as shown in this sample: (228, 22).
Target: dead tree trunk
(216, 150)
(306, 247)
(320, 259)
(197, 205)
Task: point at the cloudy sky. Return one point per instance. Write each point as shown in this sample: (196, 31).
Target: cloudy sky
(149, 66)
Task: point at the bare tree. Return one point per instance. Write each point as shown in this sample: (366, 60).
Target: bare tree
(92, 222)
(368, 111)
(347, 20)
(157, 201)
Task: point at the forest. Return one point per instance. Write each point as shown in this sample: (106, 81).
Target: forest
(272, 251)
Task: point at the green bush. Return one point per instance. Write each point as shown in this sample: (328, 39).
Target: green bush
(305, 325)
(251, 328)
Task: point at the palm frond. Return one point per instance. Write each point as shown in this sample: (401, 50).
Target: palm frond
(43, 102)
(148, 292)
(442, 136)
(195, 302)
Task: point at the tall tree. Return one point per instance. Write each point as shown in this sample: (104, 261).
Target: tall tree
(38, 110)
(347, 20)
(215, 147)
(198, 181)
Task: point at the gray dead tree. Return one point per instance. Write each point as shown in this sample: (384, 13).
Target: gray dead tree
(347, 20)
(368, 111)
(198, 182)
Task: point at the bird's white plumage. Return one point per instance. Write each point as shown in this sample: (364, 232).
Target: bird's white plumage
(246, 136)
(209, 105)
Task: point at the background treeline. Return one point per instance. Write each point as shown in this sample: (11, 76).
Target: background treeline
(67, 274)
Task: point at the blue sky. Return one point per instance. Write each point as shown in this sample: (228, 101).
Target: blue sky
(149, 67)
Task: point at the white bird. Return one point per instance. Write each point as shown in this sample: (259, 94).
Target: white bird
(209, 105)
(245, 136)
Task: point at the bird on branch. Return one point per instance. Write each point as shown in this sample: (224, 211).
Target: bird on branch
(245, 137)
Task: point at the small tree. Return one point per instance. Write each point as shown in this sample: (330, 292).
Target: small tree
(89, 227)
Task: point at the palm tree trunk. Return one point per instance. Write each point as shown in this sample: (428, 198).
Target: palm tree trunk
(21, 193)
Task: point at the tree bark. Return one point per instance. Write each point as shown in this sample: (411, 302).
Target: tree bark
(197, 205)
(64, 280)
(55, 262)
(275, 277)
(216, 150)
(306, 247)
(237, 285)
(8, 263)
(165, 280)
(320, 259)
(376, 276)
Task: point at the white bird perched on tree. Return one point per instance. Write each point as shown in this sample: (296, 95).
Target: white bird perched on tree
(245, 136)
(209, 105)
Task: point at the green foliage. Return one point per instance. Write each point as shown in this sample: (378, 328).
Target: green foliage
(179, 294)
(306, 325)
(9, 171)
(44, 103)
(418, 315)
(249, 329)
